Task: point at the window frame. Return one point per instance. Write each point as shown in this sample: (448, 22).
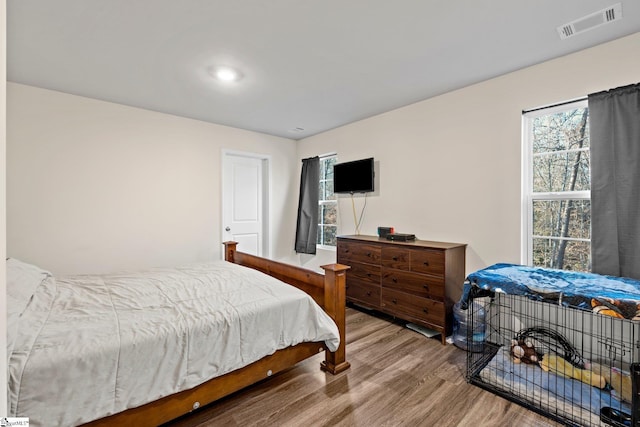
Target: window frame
(322, 201)
(527, 167)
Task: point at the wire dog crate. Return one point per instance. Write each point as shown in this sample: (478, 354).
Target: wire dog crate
(595, 345)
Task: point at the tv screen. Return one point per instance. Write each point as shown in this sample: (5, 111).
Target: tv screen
(353, 177)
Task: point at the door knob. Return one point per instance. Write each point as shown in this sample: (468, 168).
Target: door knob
(227, 229)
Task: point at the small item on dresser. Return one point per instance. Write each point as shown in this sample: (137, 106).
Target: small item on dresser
(385, 231)
(401, 237)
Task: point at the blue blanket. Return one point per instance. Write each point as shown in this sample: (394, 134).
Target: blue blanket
(609, 295)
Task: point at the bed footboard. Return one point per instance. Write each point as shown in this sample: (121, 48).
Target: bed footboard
(327, 290)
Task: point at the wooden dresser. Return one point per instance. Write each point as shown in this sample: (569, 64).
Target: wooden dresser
(418, 281)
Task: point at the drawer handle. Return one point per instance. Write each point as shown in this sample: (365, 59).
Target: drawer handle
(426, 263)
(425, 310)
(395, 258)
(394, 280)
(395, 301)
(369, 254)
(426, 287)
(368, 293)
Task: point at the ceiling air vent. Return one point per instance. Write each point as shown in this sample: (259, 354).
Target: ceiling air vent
(589, 22)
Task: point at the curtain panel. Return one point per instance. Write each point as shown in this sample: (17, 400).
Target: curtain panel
(307, 224)
(615, 181)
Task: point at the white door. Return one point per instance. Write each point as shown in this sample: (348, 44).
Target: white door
(243, 202)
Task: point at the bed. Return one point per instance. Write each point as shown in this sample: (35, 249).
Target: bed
(589, 320)
(142, 349)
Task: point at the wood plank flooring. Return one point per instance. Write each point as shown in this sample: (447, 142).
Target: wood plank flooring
(397, 378)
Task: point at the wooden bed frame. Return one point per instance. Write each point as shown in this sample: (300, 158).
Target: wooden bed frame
(327, 290)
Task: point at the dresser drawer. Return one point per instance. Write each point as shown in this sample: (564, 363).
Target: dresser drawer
(428, 261)
(358, 252)
(421, 285)
(424, 309)
(363, 292)
(365, 273)
(398, 258)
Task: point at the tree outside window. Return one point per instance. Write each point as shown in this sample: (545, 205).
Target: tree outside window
(327, 204)
(557, 188)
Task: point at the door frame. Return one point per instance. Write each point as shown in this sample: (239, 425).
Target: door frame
(266, 195)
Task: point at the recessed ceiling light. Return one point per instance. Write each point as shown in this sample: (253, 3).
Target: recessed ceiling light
(225, 74)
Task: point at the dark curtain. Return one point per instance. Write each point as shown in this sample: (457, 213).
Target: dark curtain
(307, 226)
(615, 181)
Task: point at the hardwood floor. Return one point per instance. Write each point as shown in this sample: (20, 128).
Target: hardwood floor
(397, 378)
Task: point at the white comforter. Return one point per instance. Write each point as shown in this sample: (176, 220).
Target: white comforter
(90, 346)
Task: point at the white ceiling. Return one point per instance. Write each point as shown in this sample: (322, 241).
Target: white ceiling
(311, 64)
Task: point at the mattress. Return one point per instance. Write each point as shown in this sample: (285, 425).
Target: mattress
(84, 347)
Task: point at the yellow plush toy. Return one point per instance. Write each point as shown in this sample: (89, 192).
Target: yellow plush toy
(619, 380)
(558, 365)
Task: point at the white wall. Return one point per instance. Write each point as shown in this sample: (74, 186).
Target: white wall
(450, 165)
(94, 186)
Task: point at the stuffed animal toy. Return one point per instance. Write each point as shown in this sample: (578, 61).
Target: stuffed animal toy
(619, 380)
(606, 307)
(524, 351)
(616, 308)
(558, 365)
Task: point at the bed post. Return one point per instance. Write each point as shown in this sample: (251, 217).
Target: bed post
(327, 290)
(334, 305)
(229, 249)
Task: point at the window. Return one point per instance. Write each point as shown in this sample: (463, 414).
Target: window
(557, 187)
(327, 204)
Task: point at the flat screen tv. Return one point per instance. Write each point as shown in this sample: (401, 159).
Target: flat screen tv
(353, 177)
